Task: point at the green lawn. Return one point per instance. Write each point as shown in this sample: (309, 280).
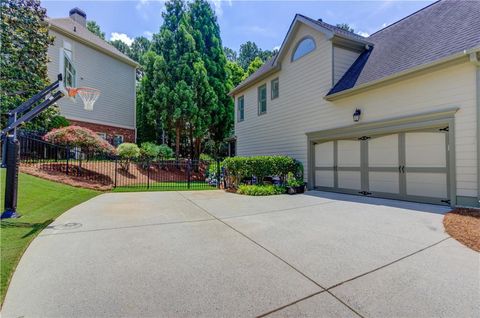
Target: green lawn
(39, 203)
(167, 186)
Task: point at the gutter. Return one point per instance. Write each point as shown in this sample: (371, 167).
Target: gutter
(475, 59)
(93, 45)
(384, 80)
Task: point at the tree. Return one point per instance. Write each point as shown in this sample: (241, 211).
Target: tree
(139, 47)
(93, 27)
(79, 137)
(253, 67)
(248, 52)
(346, 27)
(230, 54)
(23, 57)
(121, 46)
(235, 73)
(215, 102)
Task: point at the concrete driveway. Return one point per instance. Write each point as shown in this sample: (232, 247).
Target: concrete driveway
(215, 254)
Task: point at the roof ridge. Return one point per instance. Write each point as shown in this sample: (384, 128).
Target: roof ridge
(406, 17)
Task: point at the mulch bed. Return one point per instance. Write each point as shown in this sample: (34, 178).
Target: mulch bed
(464, 225)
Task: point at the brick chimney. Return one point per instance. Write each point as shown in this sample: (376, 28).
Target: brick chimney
(76, 14)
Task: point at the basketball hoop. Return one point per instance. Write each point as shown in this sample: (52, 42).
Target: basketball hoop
(88, 95)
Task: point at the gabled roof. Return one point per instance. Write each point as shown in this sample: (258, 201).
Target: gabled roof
(75, 30)
(273, 65)
(431, 34)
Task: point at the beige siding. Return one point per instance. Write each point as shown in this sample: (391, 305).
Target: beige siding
(115, 80)
(301, 108)
(342, 60)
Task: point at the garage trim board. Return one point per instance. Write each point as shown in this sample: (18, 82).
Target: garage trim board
(411, 161)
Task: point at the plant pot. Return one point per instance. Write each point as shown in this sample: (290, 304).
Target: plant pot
(300, 189)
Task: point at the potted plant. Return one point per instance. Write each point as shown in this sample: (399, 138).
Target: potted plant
(294, 185)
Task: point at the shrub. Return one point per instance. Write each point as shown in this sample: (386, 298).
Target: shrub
(78, 136)
(127, 151)
(149, 151)
(59, 122)
(205, 157)
(260, 167)
(257, 190)
(165, 152)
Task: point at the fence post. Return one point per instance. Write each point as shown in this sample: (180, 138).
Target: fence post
(68, 157)
(115, 176)
(189, 168)
(218, 173)
(148, 174)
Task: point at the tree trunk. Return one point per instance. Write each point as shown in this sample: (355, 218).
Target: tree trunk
(177, 140)
(192, 153)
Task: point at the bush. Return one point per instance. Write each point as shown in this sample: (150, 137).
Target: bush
(257, 190)
(165, 152)
(260, 167)
(59, 122)
(127, 151)
(205, 157)
(149, 151)
(78, 136)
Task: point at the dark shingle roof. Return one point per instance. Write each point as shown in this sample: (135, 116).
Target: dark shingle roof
(68, 25)
(435, 32)
(337, 31)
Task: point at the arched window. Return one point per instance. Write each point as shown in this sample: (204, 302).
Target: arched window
(304, 46)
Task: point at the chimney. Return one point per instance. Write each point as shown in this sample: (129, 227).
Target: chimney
(76, 14)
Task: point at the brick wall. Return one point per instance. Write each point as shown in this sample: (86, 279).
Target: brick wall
(110, 131)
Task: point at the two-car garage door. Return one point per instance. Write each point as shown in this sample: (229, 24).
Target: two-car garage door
(407, 165)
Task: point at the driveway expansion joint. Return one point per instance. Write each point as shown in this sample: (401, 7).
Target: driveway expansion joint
(279, 258)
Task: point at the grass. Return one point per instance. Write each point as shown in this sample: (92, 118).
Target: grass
(167, 186)
(39, 203)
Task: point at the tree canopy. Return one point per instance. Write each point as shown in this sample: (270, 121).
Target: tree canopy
(23, 56)
(346, 27)
(253, 67)
(121, 46)
(93, 27)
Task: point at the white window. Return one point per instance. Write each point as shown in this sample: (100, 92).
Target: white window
(102, 135)
(69, 72)
(304, 46)
(117, 140)
(274, 88)
(262, 99)
(241, 109)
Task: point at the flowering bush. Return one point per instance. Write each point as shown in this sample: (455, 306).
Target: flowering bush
(78, 136)
(127, 151)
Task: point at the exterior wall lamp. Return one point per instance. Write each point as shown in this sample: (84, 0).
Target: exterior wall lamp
(356, 115)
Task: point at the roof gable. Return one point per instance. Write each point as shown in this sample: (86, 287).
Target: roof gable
(75, 30)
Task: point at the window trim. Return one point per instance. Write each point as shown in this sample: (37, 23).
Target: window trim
(102, 135)
(68, 58)
(241, 118)
(118, 135)
(298, 44)
(258, 99)
(271, 88)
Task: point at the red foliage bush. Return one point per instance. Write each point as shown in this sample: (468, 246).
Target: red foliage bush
(80, 137)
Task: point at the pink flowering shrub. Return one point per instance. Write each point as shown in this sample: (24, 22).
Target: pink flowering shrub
(80, 137)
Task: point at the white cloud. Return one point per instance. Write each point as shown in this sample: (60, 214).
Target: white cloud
(217, 6)
(122, 37)
(148, 34)
(364, 34)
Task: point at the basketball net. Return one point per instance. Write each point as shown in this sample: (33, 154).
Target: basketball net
(88, 95)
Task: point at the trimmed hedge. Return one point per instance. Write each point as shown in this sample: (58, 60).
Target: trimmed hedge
(257, 190)
(239, 168)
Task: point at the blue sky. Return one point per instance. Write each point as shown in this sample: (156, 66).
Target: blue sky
(264, 22)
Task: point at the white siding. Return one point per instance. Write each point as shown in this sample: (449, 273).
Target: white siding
(115, 80)
(301, 108)
(342, 60)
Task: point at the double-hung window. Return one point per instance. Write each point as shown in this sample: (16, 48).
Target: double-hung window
(262, 99)
(240, 109)
(68, 69)
(274, 88)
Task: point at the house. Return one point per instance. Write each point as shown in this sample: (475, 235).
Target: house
(85, 60)
(393, 115)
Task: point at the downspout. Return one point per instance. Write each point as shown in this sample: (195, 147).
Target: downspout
(475, 59)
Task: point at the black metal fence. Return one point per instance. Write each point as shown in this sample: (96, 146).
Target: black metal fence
(103, 170)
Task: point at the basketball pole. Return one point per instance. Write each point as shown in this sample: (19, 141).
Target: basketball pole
(10, 144)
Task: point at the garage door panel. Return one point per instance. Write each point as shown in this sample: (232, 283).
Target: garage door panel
(348, 153)
(425, 149)
(383, 151)
(350, 180)
(427, 184)
(324, 154)
(387, 182)
(324, 178)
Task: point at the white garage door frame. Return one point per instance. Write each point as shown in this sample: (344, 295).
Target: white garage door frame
(354, 172)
